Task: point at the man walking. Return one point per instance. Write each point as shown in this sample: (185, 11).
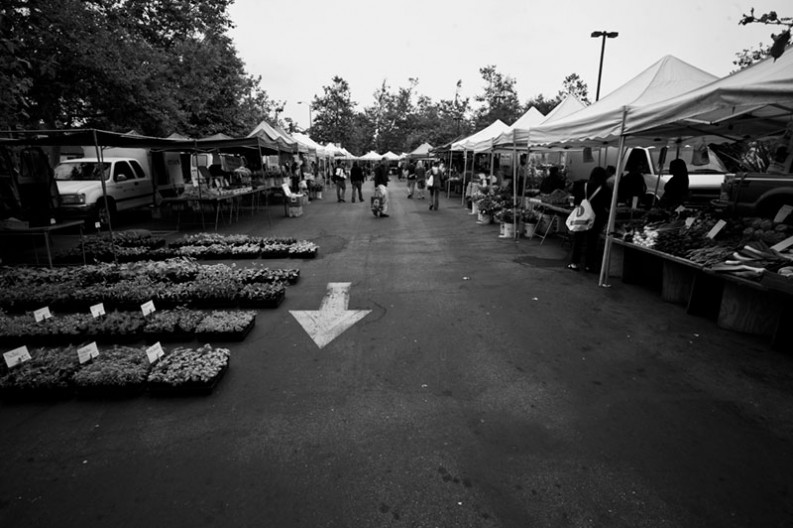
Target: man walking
(356, 179)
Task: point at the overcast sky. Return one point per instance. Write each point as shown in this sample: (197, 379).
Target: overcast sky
(299, 45)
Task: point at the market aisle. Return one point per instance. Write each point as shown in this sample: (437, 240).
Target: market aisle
(489, 386)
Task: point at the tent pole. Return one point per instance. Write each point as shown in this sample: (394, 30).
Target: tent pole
(604, 266)
(99, 166)
(514, 187)
(465, 167)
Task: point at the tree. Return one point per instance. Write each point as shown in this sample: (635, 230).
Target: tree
(574, 85)
(153, 65)
(543, 105)
(780, 41)
(499, 100)
(334, 113)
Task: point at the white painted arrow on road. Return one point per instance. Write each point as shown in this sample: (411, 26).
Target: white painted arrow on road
(332, 318)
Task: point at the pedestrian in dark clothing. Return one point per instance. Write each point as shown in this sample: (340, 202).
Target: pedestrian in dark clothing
(586, 243)
(356, 179)
(676, 189)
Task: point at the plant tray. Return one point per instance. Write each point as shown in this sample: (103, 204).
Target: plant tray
(189, 388)
(226, 336)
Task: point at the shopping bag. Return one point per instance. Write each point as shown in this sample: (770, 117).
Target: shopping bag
(582, 218)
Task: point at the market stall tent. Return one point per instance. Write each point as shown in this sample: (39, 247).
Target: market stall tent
(601, 122)
(478, 138)
(390, 156)
(422, 151)
(531, 118)
(752, 102)
(276, 136)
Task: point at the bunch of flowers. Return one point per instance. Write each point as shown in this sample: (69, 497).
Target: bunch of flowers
(303, 249)
(489, 205)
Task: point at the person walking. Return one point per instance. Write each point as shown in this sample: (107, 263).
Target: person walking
(411, 179)
(421, 178)
(434, 185)
(356, 180)
(381, 186)
(341, 182)
(586, 243)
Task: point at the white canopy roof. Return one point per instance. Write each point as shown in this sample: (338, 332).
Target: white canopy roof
(531, 118)
(312, 145)
(491, 131)
(518, 133)
(371, 156)
(422, 151)
(390, 156)
(602, 121)
(753, 102)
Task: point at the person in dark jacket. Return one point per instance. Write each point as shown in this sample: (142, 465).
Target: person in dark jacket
(587, 243)
(676, 189)
(356, 179)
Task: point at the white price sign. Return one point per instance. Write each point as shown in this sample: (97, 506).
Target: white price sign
(155, 352)
(97, 310)
(690, 221)
(17, 356)
(782, 246)
(147, 308)
(87, 353)
(783, 213)
(42, 313)
(718, 227)
(635, 202)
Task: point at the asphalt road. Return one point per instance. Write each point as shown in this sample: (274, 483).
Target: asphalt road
(488, 387)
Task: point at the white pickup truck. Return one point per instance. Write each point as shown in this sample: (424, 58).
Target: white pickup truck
(127, 185)
(704, 180)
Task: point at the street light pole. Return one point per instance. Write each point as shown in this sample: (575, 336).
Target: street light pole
(604, 35)
(310, 125)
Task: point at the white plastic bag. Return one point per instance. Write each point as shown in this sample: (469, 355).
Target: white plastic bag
(582, 218)
(430, 180)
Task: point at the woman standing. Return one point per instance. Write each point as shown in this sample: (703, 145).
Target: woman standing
(421, 178)
(586, 243)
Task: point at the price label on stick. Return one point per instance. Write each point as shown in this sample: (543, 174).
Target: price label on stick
(782, 246)
(783, 213)
(147, 308)
(716, 229)
(17, 356)
(155, 352)
(690, 221)
(97, 310)
(42, 313)
(635, 202)
(87, 353)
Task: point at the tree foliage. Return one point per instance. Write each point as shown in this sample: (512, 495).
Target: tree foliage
(156, 66)
(779, 41)
(334, 113)
(574, 85)
(499, 100)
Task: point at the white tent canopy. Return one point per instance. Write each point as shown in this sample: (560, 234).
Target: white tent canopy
(566, 107)
(390, 156)
(422, 151)
(371, 156)
(491, 131)
(753, 102)
(601, 122)
(531, 118)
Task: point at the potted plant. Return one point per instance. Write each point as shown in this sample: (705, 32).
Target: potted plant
(185, 371)
(530, 221)
(488, 206)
